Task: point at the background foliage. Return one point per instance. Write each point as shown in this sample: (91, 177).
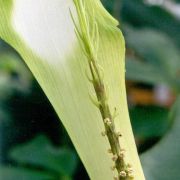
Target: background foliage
(33, 143)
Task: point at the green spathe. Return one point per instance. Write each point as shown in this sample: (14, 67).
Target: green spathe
(42, 31)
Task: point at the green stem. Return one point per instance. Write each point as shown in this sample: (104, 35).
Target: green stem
(83, 33)
(124, 171)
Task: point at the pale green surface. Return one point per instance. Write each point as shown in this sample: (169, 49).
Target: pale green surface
(60, 70)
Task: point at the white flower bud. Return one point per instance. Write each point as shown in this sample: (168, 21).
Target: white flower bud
(122, 174)
(114, 158)
(103, 133)
(107, 121)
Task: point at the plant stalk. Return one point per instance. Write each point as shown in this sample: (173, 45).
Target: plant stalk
(89, 43)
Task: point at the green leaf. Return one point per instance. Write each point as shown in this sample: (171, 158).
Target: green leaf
(143, 72)
(158, 51)
(139, 14)
(14, 75)
(149, 121)
(43, 33)
(156, 48)
(11, 173)
(39, 152)
(163, 160)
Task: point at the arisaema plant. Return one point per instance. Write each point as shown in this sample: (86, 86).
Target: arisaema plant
(76, 53)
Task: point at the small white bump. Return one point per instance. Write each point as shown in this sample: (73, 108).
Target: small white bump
(123, 174)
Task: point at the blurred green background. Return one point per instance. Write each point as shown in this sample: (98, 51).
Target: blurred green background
(34, 144)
